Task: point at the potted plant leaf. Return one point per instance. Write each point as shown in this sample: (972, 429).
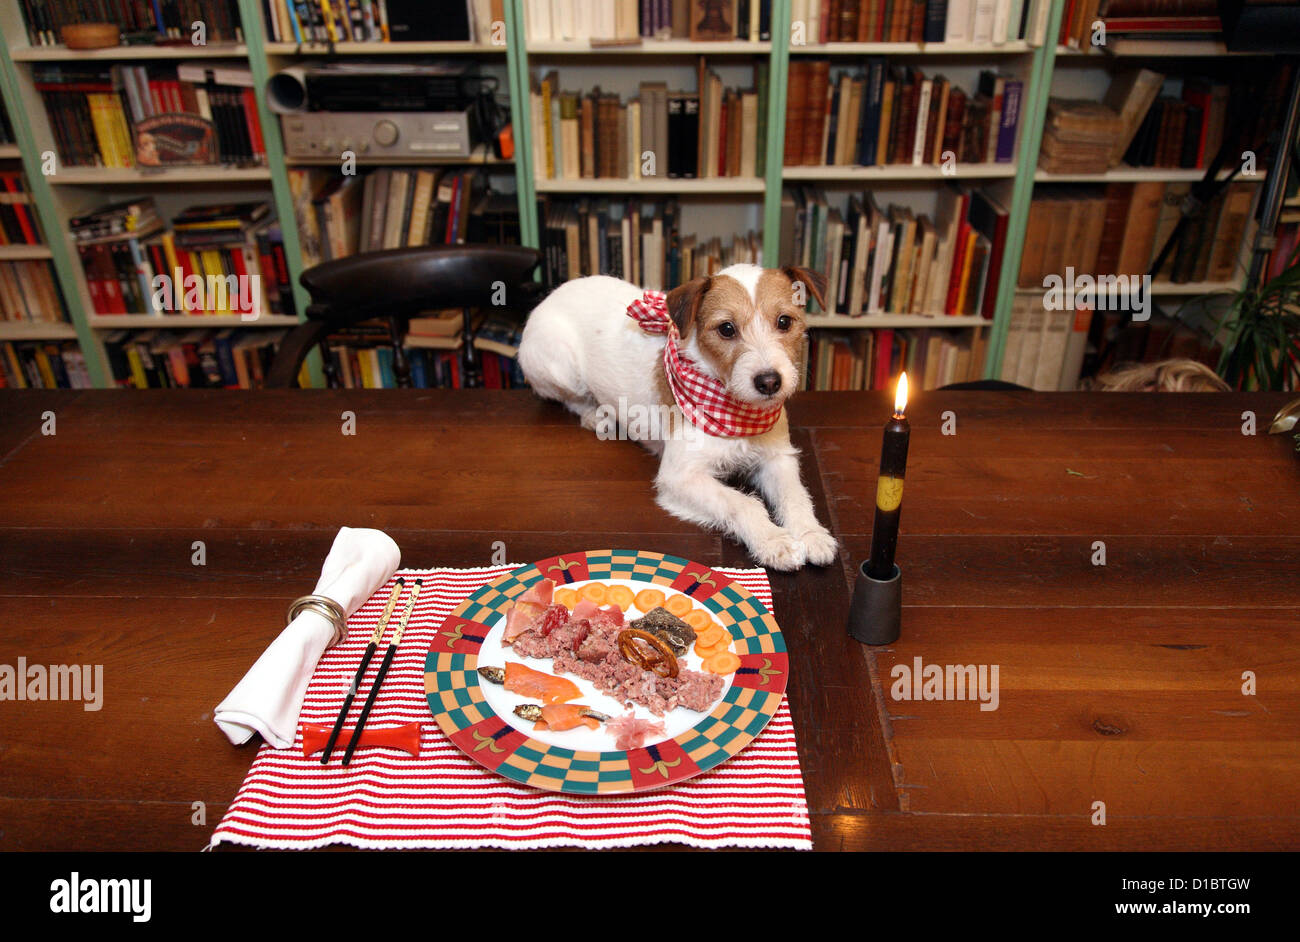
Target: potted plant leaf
(1261, 333)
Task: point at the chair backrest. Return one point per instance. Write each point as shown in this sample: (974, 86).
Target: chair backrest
(403, 282)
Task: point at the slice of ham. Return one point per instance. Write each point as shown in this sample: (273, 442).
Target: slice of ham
(629, 732)
(522, 617)
(539, 593)
(593, 612)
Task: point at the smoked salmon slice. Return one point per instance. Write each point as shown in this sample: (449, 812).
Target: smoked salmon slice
(539, 686)
(562, 716)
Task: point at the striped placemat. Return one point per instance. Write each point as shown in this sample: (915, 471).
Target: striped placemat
(442, 799)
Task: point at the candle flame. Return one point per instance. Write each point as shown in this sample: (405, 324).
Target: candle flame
(900, 397)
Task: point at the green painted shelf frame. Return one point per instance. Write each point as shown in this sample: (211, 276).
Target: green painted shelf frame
(255, 38)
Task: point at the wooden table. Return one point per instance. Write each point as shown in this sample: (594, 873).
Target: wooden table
(1119, 683)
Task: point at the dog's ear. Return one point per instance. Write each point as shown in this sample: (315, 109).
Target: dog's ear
(814, 282)
(684, 302)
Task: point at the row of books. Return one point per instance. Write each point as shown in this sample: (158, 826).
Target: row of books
(894, 260)
(371, 367)
(208, 255)
(959, 21)
(872, 359)
(19, 225)
(170, 19)
(1045, 349)
(350, 21)
(43, 365)
(616, 22)
(105, 116)
(637, 241)
(394, 207)
(1119, 229)
(716, 132)
(197, 359)
(897, 115)
(29, 292)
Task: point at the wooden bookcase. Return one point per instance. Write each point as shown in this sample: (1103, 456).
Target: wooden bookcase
(74, 190)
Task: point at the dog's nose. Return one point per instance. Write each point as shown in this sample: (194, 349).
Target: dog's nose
(768, 382)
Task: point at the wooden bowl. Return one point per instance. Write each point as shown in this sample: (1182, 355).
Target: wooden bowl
(91, 35)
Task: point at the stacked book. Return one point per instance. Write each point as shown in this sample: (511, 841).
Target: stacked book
(203, 264)
(715, 132)
(872, 359)
(28, 292)
(628, 22)
(894, 261)
(43, 365)
(197, 359)
(1119, 229)
(637, 241)
(170, 19)
(363, 355)
(395, 207)
(1158, 20)
(992, 22)
(18, 224)
(897, 115)
(353, 21)
(1078, 136)
(97, 113)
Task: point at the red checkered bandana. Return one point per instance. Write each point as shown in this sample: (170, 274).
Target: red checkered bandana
(702, 399)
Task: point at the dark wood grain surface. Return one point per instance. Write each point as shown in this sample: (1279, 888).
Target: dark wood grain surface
(1119, 684)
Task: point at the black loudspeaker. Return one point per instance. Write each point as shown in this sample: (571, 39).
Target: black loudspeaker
(1260, 25)
(412, 21)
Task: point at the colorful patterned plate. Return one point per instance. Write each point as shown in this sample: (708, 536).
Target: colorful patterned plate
(463, 712)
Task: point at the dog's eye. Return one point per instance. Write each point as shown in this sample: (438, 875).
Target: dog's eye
(727, 329)
(784, 322)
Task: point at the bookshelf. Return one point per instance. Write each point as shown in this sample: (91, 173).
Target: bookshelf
(516, 62)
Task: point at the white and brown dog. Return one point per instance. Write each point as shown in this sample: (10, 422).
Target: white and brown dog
(721, 351)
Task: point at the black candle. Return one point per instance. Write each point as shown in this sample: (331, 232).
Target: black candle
(889, 488)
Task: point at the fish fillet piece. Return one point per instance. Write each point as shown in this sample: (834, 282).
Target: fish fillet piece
(537, 685)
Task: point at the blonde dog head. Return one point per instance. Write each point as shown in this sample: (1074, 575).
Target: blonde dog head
(745, 326)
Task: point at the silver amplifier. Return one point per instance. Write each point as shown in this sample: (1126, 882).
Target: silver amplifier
(407, 135)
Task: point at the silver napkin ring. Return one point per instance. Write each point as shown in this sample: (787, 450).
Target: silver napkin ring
(327, 608)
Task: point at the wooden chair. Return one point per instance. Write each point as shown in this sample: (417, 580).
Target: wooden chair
(397, 284)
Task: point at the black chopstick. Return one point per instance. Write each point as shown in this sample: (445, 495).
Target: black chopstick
(383, 670)
(371, 648)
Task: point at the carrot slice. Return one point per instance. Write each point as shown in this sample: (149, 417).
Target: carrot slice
(566, 597)
(679, 605)
(698, 619)
(596, 592)
(706, 652)
(648, 599)
(723, 663)
(621, 596)
(711, 637)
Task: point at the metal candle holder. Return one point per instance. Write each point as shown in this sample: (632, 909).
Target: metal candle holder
(876, 612)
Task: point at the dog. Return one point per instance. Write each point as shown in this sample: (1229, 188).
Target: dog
(737, 336)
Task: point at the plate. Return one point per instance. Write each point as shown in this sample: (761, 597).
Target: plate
(477, 716)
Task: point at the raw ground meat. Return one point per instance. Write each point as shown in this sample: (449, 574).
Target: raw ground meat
(589, 649)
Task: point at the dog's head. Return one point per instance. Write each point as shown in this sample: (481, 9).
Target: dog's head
(745, 326)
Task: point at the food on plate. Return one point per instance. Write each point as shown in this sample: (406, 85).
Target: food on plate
(678, 605)
(621, 596)
(539, 593)
(647, 651)
(667, 626)
(565, 596)
(596, 592)
(585, 644)
(629, 732)
(523, 680)
(698, 619)
(724, 662)
(560, 716)
(711, 637)
(648, 599)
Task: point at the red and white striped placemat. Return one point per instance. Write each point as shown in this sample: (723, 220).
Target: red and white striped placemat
(442, 799)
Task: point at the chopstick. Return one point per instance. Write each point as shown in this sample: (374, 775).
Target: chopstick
(383, 671)
(371, 648)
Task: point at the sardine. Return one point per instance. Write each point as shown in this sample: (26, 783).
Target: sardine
(494, 675)
(533, 713)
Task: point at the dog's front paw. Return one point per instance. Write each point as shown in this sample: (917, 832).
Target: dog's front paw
(822, 547)
(780, 551)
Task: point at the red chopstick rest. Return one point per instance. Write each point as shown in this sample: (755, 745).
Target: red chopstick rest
(405, 737)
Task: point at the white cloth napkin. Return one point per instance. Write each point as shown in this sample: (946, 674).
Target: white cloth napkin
(269, 698)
